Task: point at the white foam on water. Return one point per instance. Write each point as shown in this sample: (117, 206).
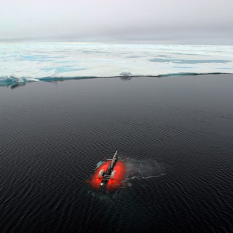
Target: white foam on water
(144, 169)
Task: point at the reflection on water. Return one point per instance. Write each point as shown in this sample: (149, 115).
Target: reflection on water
(13, 86)
(124, 76)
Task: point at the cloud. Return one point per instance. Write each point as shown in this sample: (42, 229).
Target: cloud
(90, 20)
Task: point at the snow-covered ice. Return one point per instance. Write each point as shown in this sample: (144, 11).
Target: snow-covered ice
(36, 62)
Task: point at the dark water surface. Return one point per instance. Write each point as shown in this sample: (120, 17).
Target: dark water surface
(52, 136)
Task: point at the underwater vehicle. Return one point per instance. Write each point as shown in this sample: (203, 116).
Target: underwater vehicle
(109, 175)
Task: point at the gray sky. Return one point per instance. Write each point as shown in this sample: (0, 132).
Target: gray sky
(159, 21)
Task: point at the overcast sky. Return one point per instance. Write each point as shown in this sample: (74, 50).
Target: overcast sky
(159, 21)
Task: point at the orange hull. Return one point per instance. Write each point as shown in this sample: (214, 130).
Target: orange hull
(115, 180)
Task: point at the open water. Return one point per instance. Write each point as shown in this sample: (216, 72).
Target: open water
(178, 130)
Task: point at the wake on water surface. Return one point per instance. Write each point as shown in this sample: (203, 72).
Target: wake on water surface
(139, 177)
(144, 169)
(140, 169)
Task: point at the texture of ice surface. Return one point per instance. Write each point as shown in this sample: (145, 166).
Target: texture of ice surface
(108, 60)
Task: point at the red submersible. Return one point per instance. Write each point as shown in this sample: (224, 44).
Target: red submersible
(109, 175)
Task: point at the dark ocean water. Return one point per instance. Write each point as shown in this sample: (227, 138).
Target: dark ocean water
(53, 135)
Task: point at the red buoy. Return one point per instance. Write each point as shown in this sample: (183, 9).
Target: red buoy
(109, 175)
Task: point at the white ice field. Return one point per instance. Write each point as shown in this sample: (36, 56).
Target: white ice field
(71, 60)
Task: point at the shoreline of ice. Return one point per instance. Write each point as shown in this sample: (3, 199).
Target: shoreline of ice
(73, 61)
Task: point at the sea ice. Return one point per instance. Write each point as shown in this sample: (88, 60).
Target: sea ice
(76, 60)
